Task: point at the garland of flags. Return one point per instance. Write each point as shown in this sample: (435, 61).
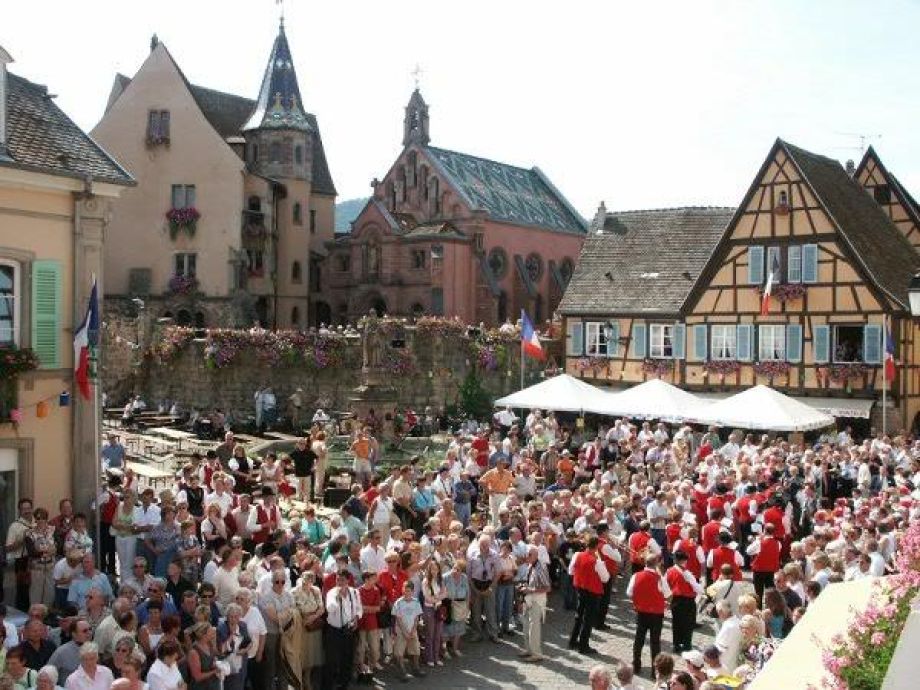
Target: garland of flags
(42, 407)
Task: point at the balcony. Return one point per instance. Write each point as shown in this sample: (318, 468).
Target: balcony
(253, 225)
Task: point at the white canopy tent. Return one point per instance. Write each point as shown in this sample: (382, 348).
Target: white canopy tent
(654, 399)
(761, 408)
(561, 393)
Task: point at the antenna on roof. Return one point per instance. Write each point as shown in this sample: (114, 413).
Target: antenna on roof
(864, 139)
(280, 4)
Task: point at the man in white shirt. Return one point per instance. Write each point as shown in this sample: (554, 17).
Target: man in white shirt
(728, 639)
(343, 611)
(373, 556)
(146, 517)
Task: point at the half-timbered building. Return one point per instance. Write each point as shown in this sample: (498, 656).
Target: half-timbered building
(841, 269)
(890, 194)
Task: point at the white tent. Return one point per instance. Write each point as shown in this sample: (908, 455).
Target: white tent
(654, 399)
(762, 408)
(561, 393)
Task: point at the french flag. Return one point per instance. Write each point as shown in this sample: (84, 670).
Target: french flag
(771, 279)
(889, 354)
(84, 341)
(530, 341)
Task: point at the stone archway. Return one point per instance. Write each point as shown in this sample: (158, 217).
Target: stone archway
(375, 301)
(322, 313)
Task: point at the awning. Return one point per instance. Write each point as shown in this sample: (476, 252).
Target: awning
(858, 408)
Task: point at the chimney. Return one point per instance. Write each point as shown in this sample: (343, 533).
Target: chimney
(4, 60)
(600, 218)
(154, 42)
(851, 167)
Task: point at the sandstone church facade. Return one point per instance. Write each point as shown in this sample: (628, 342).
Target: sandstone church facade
(234, 202)
(446, 233)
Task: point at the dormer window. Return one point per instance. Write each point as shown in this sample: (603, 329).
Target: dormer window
(783, 198)
(157, 127)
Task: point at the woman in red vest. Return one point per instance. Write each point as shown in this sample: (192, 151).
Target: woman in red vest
(724, 554)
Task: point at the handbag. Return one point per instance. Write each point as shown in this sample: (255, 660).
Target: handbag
(459, 610)
(316, 624)
(444, 612)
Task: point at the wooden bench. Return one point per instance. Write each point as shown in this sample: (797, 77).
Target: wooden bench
(278, 436)
(176, 435)
(151, 475)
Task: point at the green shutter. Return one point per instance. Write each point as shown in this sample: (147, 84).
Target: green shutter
(680, 341)
(794, 264)
(755, 265)
(639, 341)
(822, 344)
(744, 342)
(576, 340)
(613, 342)
(699, 343)
(810, 263)
(794, 342)
(872, 343)
(46, 312)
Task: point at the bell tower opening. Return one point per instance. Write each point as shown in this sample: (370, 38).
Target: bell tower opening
(415, 123)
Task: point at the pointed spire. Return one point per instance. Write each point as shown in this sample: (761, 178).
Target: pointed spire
(415, 123)
(279, 105)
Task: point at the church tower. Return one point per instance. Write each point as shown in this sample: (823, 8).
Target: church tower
(415, 124)
(279, 135)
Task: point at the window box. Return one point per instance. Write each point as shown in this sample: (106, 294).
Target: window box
(16, 360)
(183, 285)
(784, 292)
(772, 368)
(182, 219)
(592, 364)
(657, 367)
(844, 373)
(722, 367)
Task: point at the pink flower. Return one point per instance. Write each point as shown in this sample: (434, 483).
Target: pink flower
(878, 638)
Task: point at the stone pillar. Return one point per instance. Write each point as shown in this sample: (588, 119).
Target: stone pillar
(90, 219)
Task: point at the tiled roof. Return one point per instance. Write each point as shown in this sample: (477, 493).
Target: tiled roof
(884, 252)
(41, 137)
(644, 261)
(508, 193)
(279, 104)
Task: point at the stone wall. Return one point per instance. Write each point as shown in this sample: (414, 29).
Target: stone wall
(440, 365)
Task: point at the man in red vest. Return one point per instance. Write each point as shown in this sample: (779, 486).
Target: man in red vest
(724, 554)
(649, 592)
(766, 551)
(612, 559)
(709, 538)
(641, 545)
(265, 518)
(588, 574)
(684, 589)
(108, 504)
(745, 510)
(695, 555)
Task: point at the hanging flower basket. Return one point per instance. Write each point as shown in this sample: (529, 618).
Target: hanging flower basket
(16, 360)
(785, 292)
(182, 219)
(722, 367)
(772, 369)
(657, 367)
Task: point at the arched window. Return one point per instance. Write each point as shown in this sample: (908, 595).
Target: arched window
(423, 181)
(412, 168)
(254, 204)
(295, 316)
(503, 306)
(274, 152)
(254, 153)
(296, 276)
(403, 183)
(298, 213)
(298, 154)
(371, 258)
(418, 309)
(434, 195)
(183, 318)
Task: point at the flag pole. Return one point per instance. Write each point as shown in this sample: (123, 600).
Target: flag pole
(885, 377)
(523, 411)
(97, 429)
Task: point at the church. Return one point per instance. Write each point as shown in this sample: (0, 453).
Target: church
(447, 233)
(234, 203)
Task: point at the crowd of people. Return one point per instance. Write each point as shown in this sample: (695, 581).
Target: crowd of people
(235, 577)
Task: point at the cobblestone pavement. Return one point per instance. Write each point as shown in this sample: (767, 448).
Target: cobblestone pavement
(489, 666)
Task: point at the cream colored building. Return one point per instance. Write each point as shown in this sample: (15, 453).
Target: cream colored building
(56, 190)
(234, 202)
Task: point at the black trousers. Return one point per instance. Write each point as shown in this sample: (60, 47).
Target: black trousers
(23, 582)
(405, 516)
(762, 581)
(339, 649)
(106, 548)
(683, 620)
(585, 616)
(647, 623)
(604, 605)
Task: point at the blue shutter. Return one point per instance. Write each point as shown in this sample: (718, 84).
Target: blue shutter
(794, 264)
(755, 265)
(46, 312)
(680, 340)
(699, 343)
(872, 344)
(794, 342)
(576, 339)
(639, 341)
(810, 263)
(613, 342)
(744, 342)
(822, 344)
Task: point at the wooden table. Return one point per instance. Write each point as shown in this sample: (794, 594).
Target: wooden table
(174, 434)
(152, 475)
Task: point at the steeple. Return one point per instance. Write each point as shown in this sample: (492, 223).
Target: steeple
(415, 124)
(279, 105)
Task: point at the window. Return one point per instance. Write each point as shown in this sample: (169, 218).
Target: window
(298, 159)
(534, 265)
(772, 343)
(848, 344)
(418, 309)
(296, 276)
(661, 341)
(882, 193)
(498, 262)
(437, 301)
(434, 196)
(274, 152)
(185, 264)
(371, 258)
(418, 258)
(566, 269)
(254, 262)
(158, 127)
(298, 214)
(10, 295)
(595, 339)
(724, 342)
(254, 153)
(254, 204)
(412, 168)
(315, 276)
(312, 221)
(343, 263)
(183, 196)
(783, 198)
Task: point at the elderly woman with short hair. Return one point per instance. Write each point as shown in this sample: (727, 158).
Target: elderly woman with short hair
(233, 644)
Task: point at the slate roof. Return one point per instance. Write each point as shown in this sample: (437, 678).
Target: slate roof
(279, 104)
(653, 258)
(508, 193)
(41, 137)
(885, 253)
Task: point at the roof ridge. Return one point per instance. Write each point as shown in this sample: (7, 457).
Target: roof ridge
(672, 208)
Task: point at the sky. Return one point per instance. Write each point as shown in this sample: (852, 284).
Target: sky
(641, 104)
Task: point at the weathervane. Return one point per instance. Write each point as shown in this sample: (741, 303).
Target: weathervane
(416, 75)
(280, 4)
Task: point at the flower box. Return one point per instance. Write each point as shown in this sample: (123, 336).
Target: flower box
(182, 219)
(657, 367)
(722, 367)
(844, 373)
(784, 292)
(592, 364)
(183, 285)
(772, 369)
